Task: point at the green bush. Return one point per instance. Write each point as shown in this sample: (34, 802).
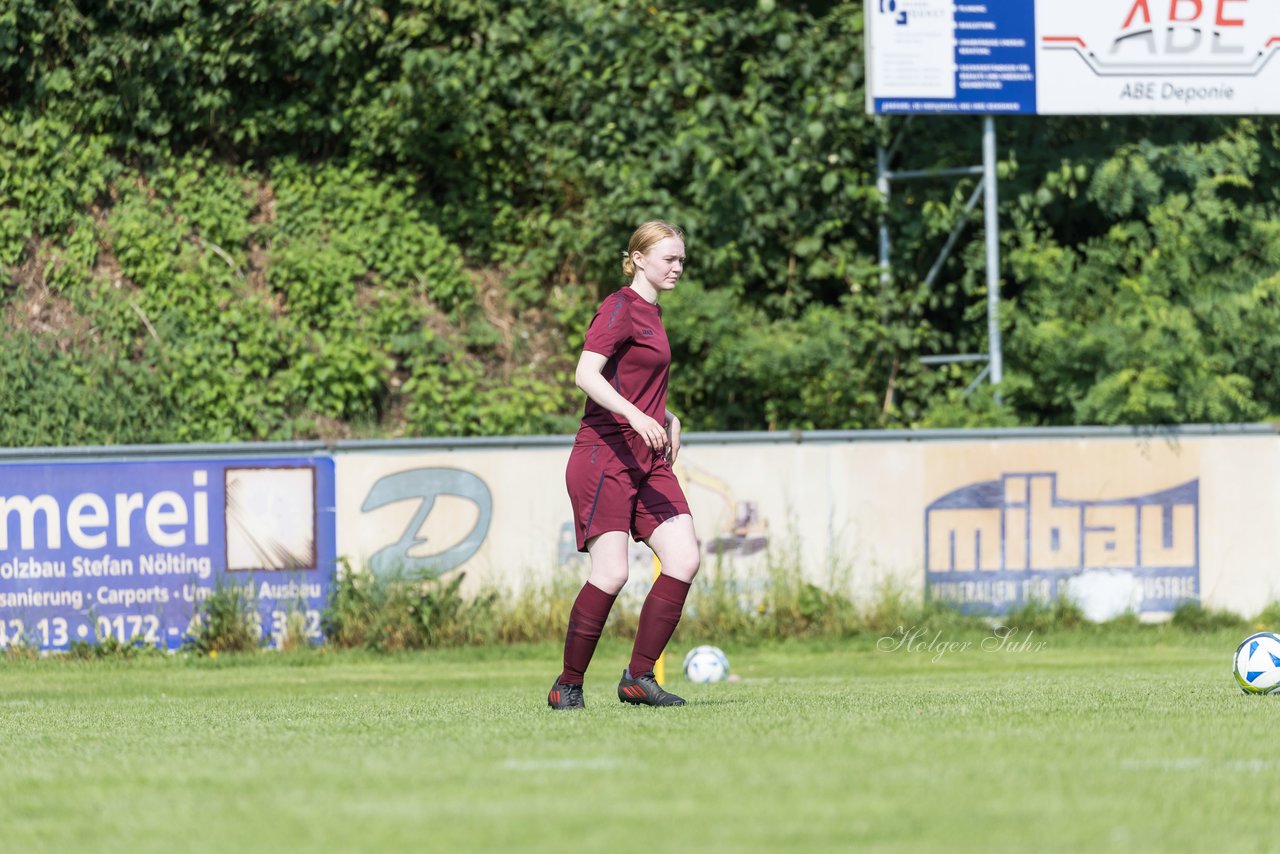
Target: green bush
(50, 175)
(226, 621)
(379, 218)
(238, 322)
(366, 611)
(395, 613)
(112, 648)
(85, 395)
(1038, 616)
(1192, 616)
(1268, 618)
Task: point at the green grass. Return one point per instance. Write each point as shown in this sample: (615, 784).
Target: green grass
(1088, 743)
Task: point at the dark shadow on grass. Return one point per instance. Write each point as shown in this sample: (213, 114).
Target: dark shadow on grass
(717, 701)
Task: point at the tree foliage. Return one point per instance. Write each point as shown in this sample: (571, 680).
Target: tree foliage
(1164, 315)
(259, 219)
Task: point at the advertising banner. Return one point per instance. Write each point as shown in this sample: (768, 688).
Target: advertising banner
(1120, 524)
(1114, 529)
(126, 550)
(987, 521)
(495, 514)
(1086, 57)
(502, 516)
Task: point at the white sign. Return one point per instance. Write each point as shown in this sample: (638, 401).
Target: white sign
(1084, 57)
(916, 61)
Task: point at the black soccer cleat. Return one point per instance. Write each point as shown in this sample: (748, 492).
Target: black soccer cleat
(562, 696)
(644, 690)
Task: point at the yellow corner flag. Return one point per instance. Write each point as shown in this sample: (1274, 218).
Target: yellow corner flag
(659, 666)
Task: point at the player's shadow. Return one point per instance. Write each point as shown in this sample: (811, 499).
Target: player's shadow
(713, 701)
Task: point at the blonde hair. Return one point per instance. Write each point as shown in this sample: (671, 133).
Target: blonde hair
(643, 238)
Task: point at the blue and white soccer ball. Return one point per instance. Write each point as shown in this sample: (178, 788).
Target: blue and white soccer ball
(1257, 663)
(706, 664)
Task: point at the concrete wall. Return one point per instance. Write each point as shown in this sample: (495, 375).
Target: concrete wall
(1120, 519)
(124, 540)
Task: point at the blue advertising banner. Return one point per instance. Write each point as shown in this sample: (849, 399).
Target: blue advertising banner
(127, 550)
(938, 56)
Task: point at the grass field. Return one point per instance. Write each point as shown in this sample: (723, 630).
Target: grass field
(1070, 743)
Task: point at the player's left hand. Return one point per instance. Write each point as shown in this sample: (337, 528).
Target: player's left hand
(673, 437)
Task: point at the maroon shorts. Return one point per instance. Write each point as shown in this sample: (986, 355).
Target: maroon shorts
(618, 484)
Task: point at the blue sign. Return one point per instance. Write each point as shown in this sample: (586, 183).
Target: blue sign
(128, 550)
(990, 51)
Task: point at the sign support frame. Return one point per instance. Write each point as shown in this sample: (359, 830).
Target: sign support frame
(988, 190)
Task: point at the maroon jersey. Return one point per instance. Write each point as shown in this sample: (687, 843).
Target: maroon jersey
(628, 329)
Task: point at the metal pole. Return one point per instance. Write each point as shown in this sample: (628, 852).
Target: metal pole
(952, 239)
(903, 174)
(882, 185)
(990, 204)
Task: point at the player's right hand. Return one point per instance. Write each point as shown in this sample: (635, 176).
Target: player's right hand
(650, 431)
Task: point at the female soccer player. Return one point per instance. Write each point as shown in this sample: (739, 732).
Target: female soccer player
(619, 474)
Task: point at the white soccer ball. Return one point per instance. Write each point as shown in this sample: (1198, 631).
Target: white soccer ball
(1257, 663)
(706, 664)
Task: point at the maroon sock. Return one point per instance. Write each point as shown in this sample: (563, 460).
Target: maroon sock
(586, 621)
(658, 619)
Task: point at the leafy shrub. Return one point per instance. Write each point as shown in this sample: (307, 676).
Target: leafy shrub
(541, 612)
(112, 648)
(366, 611)
(721, 604)
(295, 635)
(86, 395)
(447, 618)
(1192, 616)
(392, 614)
(272, 203)
(456, 395)
(226, 621)
(343, 223)
(1038, 616)
(1268, 618)
(50, 173)
(794, 606)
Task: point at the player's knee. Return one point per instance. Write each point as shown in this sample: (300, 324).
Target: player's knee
(684, 566)
(609, 579)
